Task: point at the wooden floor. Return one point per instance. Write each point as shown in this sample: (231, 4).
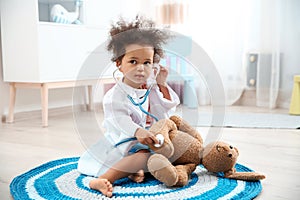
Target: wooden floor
(25, 145)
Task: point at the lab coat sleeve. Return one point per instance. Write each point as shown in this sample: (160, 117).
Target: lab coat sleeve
(161, 106)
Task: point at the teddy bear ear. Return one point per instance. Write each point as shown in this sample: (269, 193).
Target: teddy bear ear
(218, 147)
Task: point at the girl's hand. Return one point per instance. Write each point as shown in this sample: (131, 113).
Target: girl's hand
(161, 81)
(145, 137)
(162, 76)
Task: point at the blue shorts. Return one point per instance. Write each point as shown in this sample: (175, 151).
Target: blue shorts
(137, 147)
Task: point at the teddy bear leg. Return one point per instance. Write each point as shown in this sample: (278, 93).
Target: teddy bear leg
(183, 172)
(162, 169)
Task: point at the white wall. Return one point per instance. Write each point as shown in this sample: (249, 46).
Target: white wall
(290, 46)
(98, 13)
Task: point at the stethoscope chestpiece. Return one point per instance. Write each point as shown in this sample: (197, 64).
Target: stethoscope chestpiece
(160, 139)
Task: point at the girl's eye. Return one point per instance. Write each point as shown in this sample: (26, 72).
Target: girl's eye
(148, 64)
(133, 62)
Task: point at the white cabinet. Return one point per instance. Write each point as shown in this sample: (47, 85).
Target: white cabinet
(40, 54)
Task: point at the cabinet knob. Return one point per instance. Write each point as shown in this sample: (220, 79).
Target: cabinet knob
(252, 58)
(252, 82)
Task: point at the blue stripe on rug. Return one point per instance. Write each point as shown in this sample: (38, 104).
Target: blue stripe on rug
(48, 189)
(218, 191)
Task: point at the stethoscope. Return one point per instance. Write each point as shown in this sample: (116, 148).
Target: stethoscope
(159, 137)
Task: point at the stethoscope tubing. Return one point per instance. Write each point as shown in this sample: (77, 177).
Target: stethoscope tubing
(139, 104)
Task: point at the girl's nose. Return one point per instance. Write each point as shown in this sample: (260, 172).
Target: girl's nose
(140, 67)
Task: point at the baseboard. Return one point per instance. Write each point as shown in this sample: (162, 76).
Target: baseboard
(52, 112)
(36, 114)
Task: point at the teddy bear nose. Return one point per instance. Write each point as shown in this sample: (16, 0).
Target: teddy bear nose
(230, 155)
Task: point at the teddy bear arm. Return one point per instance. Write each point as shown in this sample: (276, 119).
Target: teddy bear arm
(183, 126)
(246, 176)
(164, 127)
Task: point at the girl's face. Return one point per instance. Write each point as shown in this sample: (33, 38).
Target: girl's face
(136, 64)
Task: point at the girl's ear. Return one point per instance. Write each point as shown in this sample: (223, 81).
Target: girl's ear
(118, 64)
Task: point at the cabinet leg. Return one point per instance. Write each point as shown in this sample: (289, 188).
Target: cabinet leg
(44, 101)
(12, 101)
(90, 94)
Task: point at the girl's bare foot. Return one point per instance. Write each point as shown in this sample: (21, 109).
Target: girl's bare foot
(102, 185)
(138, 177)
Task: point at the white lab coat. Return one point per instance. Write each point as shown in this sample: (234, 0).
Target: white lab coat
(121, 120)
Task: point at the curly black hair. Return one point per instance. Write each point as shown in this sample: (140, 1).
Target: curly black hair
(139, 31)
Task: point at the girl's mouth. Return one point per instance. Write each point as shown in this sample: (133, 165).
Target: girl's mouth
(139, 76)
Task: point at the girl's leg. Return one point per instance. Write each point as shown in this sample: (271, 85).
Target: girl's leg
(127, 166)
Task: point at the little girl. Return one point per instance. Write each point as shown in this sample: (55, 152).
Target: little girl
(123, 152)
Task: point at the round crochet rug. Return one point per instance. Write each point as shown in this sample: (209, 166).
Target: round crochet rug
(59, 179)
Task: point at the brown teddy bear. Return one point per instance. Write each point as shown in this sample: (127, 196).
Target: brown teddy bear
(183, 150)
